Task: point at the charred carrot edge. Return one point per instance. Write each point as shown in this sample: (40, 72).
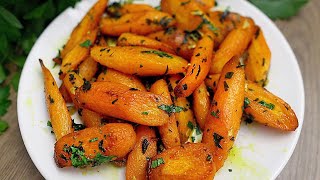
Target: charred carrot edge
(201, 104)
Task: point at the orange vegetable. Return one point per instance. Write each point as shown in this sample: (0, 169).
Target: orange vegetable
(199, 68)
(268, 109)
(134, 8)
(184, 117)
(65, 94)
(205, 5)
(87, 24)
(88, 68)
(169, 132)
(78, 54)
(182, 42)
(223, 121)
(145, 148)
(142, 61)
(188, 161)
(58, 112)
(234, 44)
(91, 118)
(140, 23)
(128, 39)
(201, 104)
(258, 62)
(122, 102)
(72, 82)
(95, 145)
(119, 77)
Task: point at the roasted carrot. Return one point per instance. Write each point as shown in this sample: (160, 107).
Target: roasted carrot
(134, 8)
(266, 108)
(201, 104)
(212, 81)
(65, 94)
(169, 132)
(186, 162)
(223, 121)
(183, 42)
(78, 54)
(258, 61)
(140, 23)
(199, 68)
(94, 146)
(142, 61)
(88, 68)
(145, 148)
(72, 82)
(87, 24)
(119, 77)
(128, 39)
(90, 118)
(58, 111)
(234, 44)
(123, 102)
(185, 119)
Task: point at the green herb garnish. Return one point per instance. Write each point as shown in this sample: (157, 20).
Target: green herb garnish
(87, 43)
(156, 163)
(269, 106)
(159, 53)
(217, 139)
(172, 108)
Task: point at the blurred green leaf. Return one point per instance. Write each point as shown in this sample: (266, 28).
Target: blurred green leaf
(46, 10)
(10, 18)
(279, 9)
(3, 75)
(15, 81)
(4, 100)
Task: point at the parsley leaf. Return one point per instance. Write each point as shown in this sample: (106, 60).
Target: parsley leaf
(172, 108)
(267, 105)
(217, 139)
(87, 43)
(157, 163)
(279, 9)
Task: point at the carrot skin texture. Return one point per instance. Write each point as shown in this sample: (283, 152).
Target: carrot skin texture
(199, 68)
(142, 61)
(276, 114)
(169, 132)
(88, 23)
(186, 162)
(121, 102)
(145, 147)
(201, 104)
(58, 111)
(129, 39)
(233, 45)
(122, 78)
(223, 121)
(115, 139)
(88, 68)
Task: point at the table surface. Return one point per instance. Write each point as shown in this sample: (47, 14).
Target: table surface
(303, 36)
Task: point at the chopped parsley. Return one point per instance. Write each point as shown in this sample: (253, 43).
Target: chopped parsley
(225, 85)
(145, 113)
(215, 113)
(93, 139)
(190, 125)
(209, 157)
(87, 43)
(159, 53)
(145, 144)
(133, 89)
(86, 86)
(269, 106)
(51, 100)
(172, 108)
(246, 102)
(217, 139)
(49, 124)
(185, 87)
(156, 163)
(229, 75)
(184, 3)
(114, 101)
(77, 127)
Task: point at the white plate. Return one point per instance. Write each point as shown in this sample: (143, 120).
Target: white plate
(259, 153)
